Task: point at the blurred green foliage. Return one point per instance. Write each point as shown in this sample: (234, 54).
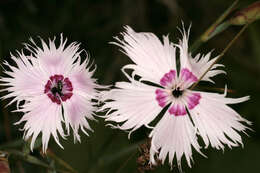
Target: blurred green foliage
(93, 23)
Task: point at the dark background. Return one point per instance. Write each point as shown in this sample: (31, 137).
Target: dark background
(93, 23)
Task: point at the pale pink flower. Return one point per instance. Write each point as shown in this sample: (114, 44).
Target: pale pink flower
(156, 84)
(51, 85)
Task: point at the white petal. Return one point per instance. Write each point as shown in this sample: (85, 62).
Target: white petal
(133, 104)
(52, 59)
(77, 110)
(184, 50)
(24, 80)
(42, 118)
(81, 77)
(200, 63)
(173, 136)
(152, 58)
(217, 123)
(80, 107)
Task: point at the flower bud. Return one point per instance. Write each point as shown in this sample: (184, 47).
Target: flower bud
(249, 14)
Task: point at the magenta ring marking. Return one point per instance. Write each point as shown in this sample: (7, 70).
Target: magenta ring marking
(58, 89)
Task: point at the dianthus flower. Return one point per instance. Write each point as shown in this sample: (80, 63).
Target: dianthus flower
(156, 85)
(51, 85)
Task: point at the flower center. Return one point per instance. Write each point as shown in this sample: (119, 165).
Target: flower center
(58, 89)
(177, 92)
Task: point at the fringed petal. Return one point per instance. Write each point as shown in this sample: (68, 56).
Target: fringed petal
(173, 136)
(217, 123)
(132, 104)
(152, 58)
(42, 118)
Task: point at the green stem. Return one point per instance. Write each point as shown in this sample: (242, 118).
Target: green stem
(214, 89)
(12, 144)
(222, 54)
(213, 29)
(109, 158)
(100, 153)
(33, 160)
(60, 161)
(220, 28)
(125, 163)
(28, 158)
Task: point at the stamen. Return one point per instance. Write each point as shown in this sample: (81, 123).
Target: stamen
(177, 92)
(58, 89)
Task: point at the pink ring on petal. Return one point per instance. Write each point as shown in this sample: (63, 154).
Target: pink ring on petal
(193, 100)
(161, 97)
(188, 76)
(177, 110)
(168, 78)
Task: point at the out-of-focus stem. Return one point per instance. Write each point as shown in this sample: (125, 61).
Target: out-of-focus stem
(125, 163)
(33, 160)
(7, 126)
(222, 54)
(9, 137)
(60, 161)
(217, 89)
(211, 31)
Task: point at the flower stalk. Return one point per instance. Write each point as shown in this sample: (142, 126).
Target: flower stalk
(242, 17)
(214, 29)
(60, 161)
(222, 54)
